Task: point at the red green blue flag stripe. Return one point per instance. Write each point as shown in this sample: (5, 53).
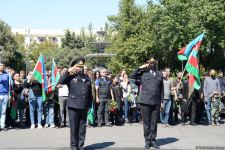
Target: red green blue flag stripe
(192, 67)
(184, 53)
(39, 74)
(55, 76)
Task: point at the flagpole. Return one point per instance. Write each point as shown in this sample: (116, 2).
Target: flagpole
(53, 63)
(182, 63)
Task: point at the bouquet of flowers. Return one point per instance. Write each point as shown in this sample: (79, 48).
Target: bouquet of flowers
(113, 106)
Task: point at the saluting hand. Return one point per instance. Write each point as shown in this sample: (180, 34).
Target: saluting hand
(73, 69)
(144, 66)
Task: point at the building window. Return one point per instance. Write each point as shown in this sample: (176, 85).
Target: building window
(41, 39)
(54, 39)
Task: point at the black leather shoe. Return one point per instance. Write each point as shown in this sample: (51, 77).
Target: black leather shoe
(154, 145)
(147, 146)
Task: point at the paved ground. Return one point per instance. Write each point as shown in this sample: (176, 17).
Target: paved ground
(120, 137)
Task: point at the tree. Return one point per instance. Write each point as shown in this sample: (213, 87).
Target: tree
(72, 41)
(10, 47)
(21, 51)
(162, 28)
(127, 42)
(35, 49)
(68, 55)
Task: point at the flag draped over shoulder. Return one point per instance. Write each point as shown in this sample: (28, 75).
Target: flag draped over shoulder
(192, 67)
(39, 74)
(184, 53)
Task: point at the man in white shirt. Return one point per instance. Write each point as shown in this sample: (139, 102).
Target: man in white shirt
(63, 96)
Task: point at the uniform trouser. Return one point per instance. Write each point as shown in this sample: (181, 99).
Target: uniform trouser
(77, 120)
(63, 109)
(103, 111)
(215, 114)
(183, 103)
(150, 114)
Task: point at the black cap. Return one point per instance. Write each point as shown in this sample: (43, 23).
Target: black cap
(80, 61)
(151, 58)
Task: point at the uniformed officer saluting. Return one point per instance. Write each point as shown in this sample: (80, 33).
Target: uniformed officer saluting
(78, 103)
(151, 97)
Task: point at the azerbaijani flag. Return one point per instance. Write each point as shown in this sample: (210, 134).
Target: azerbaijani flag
(192, 67)
(184, 53)
(55, 76)
(39, 74)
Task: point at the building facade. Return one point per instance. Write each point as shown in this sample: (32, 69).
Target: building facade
(42, 35)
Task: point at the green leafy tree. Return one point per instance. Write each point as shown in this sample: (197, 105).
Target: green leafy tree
(72, 41)
(127, 42)
(68, 55)
(162, 28)
(35, 49)
(10, 47)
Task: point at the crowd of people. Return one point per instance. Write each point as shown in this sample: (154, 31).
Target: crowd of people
(115, 100)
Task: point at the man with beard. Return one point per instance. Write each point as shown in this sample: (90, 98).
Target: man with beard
(151, 97)
(78, 103)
